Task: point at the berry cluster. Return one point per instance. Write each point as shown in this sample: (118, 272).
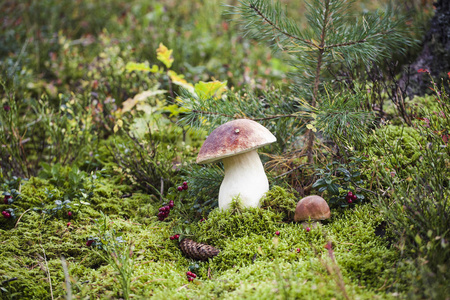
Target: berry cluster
(7, 198)
(165, 210)
(190, 276)
(6, 214)
(350, 197)
(175, 237)
(183, 187)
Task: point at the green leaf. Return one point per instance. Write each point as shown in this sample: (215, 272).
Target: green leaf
(211, 89)
(164, 55)
(333, 188)
(319, 182)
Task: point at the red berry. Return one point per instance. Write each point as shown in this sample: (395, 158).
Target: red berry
(172, 238)
(298, 250)
(68, 224)
(6, 107)
(89, 243)
(184, 183)
(349, 194)
(277, 232)
(189, 273)
(162, 209)
(354, 197)
(185, 187)
(6, 199)
(190, 279)
(177, 236)
(161, 218)
(4, 212)
(69, 213)
(308, 229)
(167, 208)
(180, 188)
(350, 201)
(193, 275)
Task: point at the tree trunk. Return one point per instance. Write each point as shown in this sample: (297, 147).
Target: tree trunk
(435, 55)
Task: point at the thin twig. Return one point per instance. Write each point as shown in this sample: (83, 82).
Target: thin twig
(67, 278)
(290, 171)
(17, 223)
(48, 271)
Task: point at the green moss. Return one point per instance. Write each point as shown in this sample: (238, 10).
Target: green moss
(254, 263)
(281, 201)
(397, 147)
(225, 224)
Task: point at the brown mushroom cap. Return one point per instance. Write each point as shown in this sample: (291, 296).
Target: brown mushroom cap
(234, 137)
(312, 207)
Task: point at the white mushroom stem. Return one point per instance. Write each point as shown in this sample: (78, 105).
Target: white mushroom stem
(244, 177)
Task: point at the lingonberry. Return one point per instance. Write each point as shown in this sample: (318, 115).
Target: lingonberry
(6, 199)
(189, 273)
(349, 194)
(298, 250)
(6, 214)
(172, 238)
(190, 279)
(171, 204)
(308, 229)
(354, 197)
(185, 183)
(89, 242)
(69, 213)
(167, 208)
(68, 224)
(350, 201)
(180, 188)
(185, 187)
(6, 107)
(177, 236)
(277, 232)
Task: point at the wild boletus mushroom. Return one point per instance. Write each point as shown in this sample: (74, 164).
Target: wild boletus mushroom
(312, 208)
(235, 143)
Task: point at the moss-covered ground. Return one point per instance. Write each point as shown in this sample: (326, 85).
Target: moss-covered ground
(254, 263)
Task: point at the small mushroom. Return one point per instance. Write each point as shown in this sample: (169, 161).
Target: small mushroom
(235, 143)
(312, 208)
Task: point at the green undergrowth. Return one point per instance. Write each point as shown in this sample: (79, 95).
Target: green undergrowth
(254, 263)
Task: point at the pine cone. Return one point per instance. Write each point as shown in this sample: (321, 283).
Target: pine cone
(197, 251)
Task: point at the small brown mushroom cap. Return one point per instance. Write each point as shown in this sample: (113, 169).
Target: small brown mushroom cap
(312, 207)
(234, 137)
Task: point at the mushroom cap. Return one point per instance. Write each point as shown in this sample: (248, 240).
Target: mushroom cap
(312, 207)
(234, 137)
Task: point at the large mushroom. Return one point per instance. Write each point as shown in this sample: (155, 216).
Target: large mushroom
(235, 143)
(311, 209)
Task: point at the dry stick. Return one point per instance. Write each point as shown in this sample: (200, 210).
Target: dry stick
(48, 271)
(67, 278)
(17, 223)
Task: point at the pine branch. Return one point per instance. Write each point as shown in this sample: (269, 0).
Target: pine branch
(279, 29)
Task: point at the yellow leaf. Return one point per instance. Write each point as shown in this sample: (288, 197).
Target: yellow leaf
(118, 125)
(311, 127)
(164, 55)
(128, 104)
